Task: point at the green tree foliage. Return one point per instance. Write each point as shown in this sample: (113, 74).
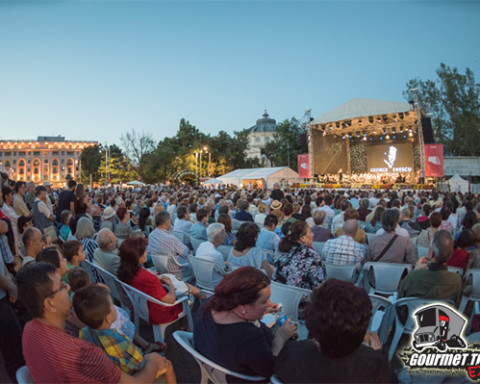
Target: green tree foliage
(286, 147)
(454, 102)
(118, 167)
(90, 160)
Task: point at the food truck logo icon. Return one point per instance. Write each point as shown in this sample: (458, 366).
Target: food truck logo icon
(438, 326)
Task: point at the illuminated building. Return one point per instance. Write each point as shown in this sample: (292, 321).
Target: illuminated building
(49, 158)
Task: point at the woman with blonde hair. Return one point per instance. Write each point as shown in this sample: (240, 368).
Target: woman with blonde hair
(262, 213)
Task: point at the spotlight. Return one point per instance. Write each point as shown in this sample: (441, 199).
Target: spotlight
(324, 133)
(387, 137)
(337, 124)
(371, 138)
(393, 137)
(381, 137)
(401, 129)
(359, 123)
(410, 134)
(331, 127)
(401, 115)
(384, 131)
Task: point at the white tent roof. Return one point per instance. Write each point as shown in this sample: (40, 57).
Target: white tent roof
(271, 175)
(361, 107)
(457, 178)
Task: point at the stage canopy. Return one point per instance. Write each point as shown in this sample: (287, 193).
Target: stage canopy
(366, 136)
(261, 176)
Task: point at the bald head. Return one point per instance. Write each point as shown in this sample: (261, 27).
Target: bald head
(107, 241)
(32, 239)
(350, 227)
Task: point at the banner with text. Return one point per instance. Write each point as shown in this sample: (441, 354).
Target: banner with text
(304, 166)
(433, 160)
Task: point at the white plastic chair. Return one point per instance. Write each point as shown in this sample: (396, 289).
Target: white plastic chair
(456, 270)
(290, 298)
(411, 304)
(140, 301)
(422, 251)
(23, 375)
(196, 243)
(472, 275)
(210, 370)
(204, 272)
(387, 276)
(275, 380)
(225, 250)
(94, 276)
(382, 318)
(340, 272)
(116, 290)
(179, 235)
(161, 262)
(318, 246)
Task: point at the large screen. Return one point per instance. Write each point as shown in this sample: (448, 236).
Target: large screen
(390, 158)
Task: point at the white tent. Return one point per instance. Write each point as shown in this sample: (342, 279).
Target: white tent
(213, 181)
(136, 183)
(265, 176)
(458, 184)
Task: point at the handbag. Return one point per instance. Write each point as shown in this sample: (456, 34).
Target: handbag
(51, 232)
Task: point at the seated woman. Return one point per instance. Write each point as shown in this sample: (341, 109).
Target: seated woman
(376, 223)
(226, 220)
(342, 350)
(227, 330)
(84, 233)
(352, 214)
(295, 262)
(123, 228)
(461, 249)
(424, 219)
(244, 251)
(133, 253)
(426, 236)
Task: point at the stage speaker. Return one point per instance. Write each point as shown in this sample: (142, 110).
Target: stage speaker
(427, 130)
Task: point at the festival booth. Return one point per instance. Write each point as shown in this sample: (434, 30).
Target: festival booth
(261, 177)
(458, 184)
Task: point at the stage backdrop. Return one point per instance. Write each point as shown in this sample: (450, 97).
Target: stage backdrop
(390, 158)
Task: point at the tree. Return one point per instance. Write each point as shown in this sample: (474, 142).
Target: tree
(90, 160)
(136, 146)
(118, 168)
(454, 103)
(287, 144)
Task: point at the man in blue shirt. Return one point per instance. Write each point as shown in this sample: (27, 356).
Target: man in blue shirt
(199, 229)
(267, 238)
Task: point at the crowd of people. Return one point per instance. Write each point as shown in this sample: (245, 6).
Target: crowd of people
(46, 234)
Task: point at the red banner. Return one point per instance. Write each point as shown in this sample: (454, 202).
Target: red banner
(434, 160)
(304, 166)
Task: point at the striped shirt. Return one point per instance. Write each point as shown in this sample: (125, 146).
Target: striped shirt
(53, 356)
(161, 242)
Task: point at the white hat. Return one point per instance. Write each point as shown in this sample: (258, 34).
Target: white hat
(108, 213)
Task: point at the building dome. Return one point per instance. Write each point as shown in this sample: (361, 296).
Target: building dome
(265, 124)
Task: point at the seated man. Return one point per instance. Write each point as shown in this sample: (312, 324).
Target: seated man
(199, 229)
(344, 250)
(341, 349)
(267, 238)
(208, 250)
(53, 356)
(242, 214)
(390, 246)
(32, 240)
(432, 280)
(320, 234)
(106, 256)
(162, 242)
(182, 222)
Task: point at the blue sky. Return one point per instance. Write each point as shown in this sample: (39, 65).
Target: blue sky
(93, 70)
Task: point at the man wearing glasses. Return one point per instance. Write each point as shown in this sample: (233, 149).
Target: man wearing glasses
(50, 353)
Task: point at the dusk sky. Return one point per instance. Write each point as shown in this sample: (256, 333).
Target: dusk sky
(92, 70)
